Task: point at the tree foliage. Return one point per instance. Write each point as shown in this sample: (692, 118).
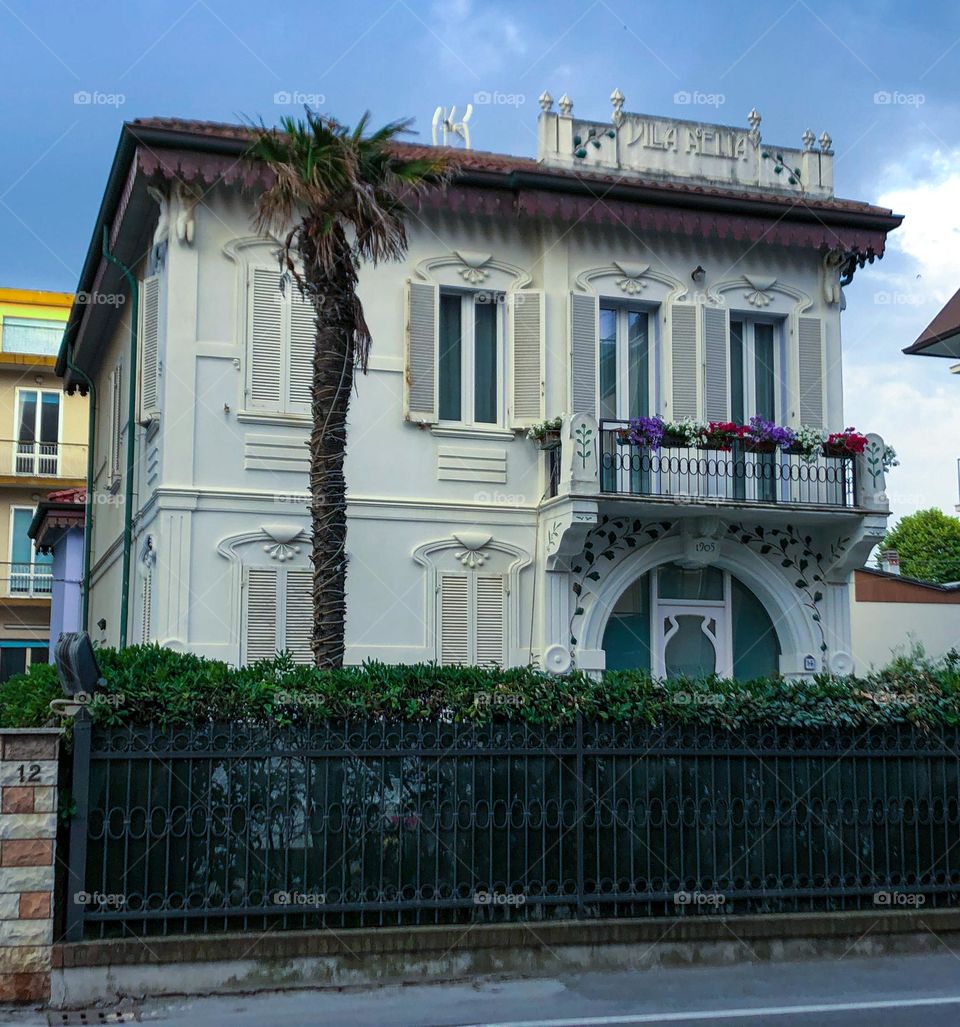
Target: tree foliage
(928, 543)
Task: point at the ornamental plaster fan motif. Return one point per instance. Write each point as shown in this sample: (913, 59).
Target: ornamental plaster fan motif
(281, 547)
(473, 542)
(758, 293)
(474, 266)
(632, 282)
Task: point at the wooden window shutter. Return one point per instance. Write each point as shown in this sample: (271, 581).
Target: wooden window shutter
(584, 349)
(149, 342)
(489, 620)
(260, 615)
(422, 342)
(298, 615)
(303, 336)
(716, 355)
(526, 317)
(265, 349)
(454, 627)
(683, 349)
(810, 369)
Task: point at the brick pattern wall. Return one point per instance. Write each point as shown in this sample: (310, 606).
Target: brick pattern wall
(28, 827)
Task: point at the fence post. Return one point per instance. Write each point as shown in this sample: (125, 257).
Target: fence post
(80, 793)
(580, 903)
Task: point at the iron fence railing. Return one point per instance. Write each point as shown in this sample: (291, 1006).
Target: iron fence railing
(26, 580)
(31, 459)
(242, 827)
(688, 474)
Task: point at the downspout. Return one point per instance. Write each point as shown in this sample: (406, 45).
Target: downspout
(131, 421)
(88, 518)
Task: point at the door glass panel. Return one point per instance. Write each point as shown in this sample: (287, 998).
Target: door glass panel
(50, 417)
(698, 583)
(451, 345)
(756, 648)
(12, 661)
(485, 363)
(608, 362)
(689, 651)
(736, 372)
(27, 418)
(638, 364)
(626, 639)
(764, 373)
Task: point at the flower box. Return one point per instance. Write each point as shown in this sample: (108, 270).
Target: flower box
(837, 449)
(549, 440)
(673, 441)
(759, 446)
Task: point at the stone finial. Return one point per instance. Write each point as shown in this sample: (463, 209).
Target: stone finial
(753, 119)
(825, 142)
(617, 98)
(546, 102)
(808, 139)
(566, 105)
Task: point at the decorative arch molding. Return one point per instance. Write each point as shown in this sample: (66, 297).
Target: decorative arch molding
(473, 269)
(763, 293)
(279, 543)
(794, 629)
(633, 280)
(242, 249)
(472, 551)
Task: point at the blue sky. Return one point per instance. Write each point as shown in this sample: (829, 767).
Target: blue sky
(802, 63)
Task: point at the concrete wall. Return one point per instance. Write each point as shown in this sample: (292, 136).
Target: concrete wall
(883, 630)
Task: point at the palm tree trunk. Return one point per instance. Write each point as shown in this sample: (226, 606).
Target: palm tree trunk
(334, 297)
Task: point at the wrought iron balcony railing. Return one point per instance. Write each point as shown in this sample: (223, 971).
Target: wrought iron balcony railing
(689, 474)
(26, 580)
(31, 459)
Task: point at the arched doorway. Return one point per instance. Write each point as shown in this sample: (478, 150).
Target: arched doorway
(675, 621)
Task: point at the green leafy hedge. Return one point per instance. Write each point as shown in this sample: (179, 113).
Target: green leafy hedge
(147, 683)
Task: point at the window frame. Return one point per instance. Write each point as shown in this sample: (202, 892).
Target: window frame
(749, 378)
(36, 456)
(622, 311)
(468, 339)
(35, 322)
(31, 591)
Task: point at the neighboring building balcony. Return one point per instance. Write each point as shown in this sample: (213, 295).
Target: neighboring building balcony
(26, 581)
(27, 460)
(595, 460)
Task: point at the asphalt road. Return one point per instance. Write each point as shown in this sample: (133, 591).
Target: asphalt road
(894, 991)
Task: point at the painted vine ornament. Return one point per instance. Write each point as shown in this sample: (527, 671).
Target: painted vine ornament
(611, 537)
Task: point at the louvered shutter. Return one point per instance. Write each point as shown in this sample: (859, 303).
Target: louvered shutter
(266, 339)
(298, 619)
(810, 384)
(422, 340)
(149, 342)
(454, 628)
(489, 620)
(716, 352)
(526, 354)
(260, 615)
(303, 335)
(683, 349)
(584, 347)
(116, 422)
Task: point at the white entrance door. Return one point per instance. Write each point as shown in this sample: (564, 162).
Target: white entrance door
(692, 640)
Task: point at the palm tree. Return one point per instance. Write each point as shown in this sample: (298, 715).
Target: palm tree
(339, 198)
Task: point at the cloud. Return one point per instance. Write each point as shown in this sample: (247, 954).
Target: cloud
(477, 42)
(913, 402)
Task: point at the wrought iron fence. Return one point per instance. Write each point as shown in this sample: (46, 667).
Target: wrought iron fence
(688, 474)
(241, 827)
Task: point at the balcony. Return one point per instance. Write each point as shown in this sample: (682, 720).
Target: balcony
(26, 580)
(29, 461)
(714, 476)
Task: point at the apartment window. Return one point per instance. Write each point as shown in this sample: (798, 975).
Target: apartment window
(38, 431)
(280, 345)
(17, 657)
(278, 614)
(471, 627)
(470, 364)
(624, 363)
(755, 364)
(32, 335)
(31, 573)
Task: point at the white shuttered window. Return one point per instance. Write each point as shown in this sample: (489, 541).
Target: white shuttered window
(149, 344)
(277, 614)
(281, 336)
(471, 619)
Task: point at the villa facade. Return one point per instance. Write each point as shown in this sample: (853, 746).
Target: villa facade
(640, 266)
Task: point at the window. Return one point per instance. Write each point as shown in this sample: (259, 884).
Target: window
(471, 612)
(16, 657)
(754, 373)
(115, 426)
(280, 344)
(470, 365)
(278, 614)
(32, 335)
(38, 432)
(624, 363)
(31, 573)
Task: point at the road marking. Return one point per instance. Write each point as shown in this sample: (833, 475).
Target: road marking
(729, 1014)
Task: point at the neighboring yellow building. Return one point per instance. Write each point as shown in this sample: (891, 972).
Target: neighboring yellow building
(43, 447)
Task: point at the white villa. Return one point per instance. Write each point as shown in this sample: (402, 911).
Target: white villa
(639, 266)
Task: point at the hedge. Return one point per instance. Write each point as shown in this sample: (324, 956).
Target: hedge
(150, 684)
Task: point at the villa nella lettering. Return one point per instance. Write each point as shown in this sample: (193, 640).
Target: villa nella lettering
(699, 140)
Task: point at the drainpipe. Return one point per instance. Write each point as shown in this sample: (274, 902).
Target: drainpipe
(131, 421)
(88, 519)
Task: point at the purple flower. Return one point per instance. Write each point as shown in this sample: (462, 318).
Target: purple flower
(767, 431)
(646, 431)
